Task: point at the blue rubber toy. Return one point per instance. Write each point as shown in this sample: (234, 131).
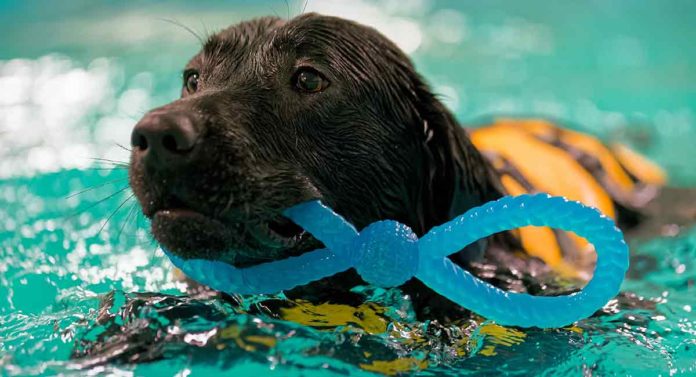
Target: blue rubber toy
(388, 253)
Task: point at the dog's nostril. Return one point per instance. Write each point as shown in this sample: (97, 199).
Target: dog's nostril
(142, 142)
(139, 140)
(169, 143)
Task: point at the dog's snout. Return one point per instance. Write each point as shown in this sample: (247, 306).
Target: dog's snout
(166, 138)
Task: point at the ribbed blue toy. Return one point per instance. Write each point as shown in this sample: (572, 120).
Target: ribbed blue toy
(388, 253)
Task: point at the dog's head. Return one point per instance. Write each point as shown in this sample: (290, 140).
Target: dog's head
(273, 113)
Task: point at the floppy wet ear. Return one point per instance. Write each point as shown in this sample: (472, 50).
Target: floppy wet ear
(457, 177)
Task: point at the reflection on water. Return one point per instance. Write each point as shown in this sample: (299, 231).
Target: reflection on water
(75, 84)
(76, 76)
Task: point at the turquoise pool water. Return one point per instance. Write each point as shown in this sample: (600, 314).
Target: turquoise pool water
(75, 76)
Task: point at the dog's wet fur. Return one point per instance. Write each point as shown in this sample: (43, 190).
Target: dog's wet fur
(276, 112)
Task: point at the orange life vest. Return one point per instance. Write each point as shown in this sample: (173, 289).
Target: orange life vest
(534, 155)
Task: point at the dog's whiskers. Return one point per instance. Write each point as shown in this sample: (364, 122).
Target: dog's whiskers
(206, 32)
(124, 148)
(114, 212)
(274, 11)
(179, 24)
(114, 162)
(128, 216)
(99, 202)
(95, 187)
(287, 6)
(105, 168)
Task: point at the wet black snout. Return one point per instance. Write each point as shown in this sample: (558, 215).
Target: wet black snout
(166, 138)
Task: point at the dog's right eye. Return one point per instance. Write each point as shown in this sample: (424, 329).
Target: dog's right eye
(191, 80)
(309, 80)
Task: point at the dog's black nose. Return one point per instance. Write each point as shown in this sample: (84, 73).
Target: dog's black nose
(165, 138)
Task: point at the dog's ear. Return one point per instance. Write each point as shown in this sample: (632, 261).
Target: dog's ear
(457, 177)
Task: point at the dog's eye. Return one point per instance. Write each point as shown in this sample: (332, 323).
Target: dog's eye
(310, 81)
(191, 80)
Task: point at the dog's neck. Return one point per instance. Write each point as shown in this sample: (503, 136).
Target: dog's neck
(457, 176)
(475, 181)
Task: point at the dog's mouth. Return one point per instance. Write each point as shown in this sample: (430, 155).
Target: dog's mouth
(278, 232)
(237, 220)
(191, 233)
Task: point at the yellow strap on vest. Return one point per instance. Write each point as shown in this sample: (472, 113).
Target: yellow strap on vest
(640, 167)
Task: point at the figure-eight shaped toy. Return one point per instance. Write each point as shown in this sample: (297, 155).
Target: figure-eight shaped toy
(388, 253)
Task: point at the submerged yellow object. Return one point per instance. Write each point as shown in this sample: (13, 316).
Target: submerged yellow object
(367, 316)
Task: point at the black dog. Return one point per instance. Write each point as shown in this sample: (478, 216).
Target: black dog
(273, 113)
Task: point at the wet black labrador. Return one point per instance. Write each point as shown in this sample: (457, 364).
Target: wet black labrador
(275, 112)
